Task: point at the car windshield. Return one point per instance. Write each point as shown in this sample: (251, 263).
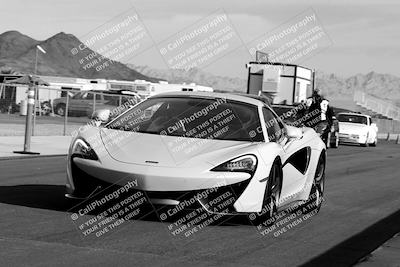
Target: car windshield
(289, 114)
(281, 111)
(193, 117)
(120, 100)
(352, 118)
(78, 95)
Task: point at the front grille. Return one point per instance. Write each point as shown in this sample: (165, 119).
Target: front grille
(204, 197)
(85, 184)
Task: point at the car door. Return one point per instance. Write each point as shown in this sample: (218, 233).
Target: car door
(87, 99)
(77, 103)
(74, 102)
(295, 156)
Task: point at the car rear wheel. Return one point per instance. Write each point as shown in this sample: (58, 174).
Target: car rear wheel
(60, 109)
(317, 189)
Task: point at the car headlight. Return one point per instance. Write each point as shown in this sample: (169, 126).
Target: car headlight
(83, 150)
(246, 163)
(363, 135)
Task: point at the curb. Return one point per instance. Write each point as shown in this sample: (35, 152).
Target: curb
(371, 257)
(32, 156)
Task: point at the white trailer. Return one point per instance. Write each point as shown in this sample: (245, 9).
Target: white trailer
(285, 83)
(146, 89)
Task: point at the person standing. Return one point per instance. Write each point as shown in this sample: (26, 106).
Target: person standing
(320, 115)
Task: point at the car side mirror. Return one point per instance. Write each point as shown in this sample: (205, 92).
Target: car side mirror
(374, 125)
(101, 116)
(294, 132)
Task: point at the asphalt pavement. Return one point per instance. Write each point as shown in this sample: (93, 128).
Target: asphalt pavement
(361, 211)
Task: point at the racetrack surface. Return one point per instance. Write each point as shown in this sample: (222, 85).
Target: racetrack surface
(360, 211)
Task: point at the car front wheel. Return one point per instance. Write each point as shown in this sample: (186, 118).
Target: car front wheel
(333, 141)
(375, 142)
(60, 109)
(364, 145)
(315, 198)
(272, 191)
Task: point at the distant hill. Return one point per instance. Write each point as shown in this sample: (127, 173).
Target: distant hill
(385, 86)
(195, 75)
(13, 44)
(17, 52)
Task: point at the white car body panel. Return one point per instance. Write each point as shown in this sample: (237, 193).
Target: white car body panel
(358, 133)
(156, 167)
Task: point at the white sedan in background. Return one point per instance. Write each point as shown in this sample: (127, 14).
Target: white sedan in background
(357, 128)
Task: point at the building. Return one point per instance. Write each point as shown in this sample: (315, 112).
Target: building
(285, 83)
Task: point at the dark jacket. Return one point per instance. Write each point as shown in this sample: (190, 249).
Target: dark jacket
(318, 111)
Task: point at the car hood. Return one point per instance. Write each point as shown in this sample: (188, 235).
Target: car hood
(352, 128)
(168, 151)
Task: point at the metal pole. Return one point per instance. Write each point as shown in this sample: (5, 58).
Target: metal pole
(94, 102)
(66, 115)
(36, 60)
(28, 122)
(34, 110)
(34, 104)
(314, 76)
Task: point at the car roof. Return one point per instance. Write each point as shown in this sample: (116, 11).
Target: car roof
(112, 92)
(261, 98)
(284, 106)
(353, 113)
(229, 96)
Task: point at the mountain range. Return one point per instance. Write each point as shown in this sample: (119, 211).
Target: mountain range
(17, 54)
(194, 75)
(385, 86)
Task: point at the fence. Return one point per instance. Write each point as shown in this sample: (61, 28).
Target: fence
(380, 107)
(61, 111)
(57, 111)
(387, 126)
(377, 105)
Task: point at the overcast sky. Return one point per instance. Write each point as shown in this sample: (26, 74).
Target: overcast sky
(365, 34)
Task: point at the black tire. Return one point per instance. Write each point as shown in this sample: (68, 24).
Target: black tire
(329, 141)
(272, 191)
(60, 109)
(366, 142)
(333, 143)
(374, 143)
(316, 196)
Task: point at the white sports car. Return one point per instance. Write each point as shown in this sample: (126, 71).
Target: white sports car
(357, 128)
(198, 146)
